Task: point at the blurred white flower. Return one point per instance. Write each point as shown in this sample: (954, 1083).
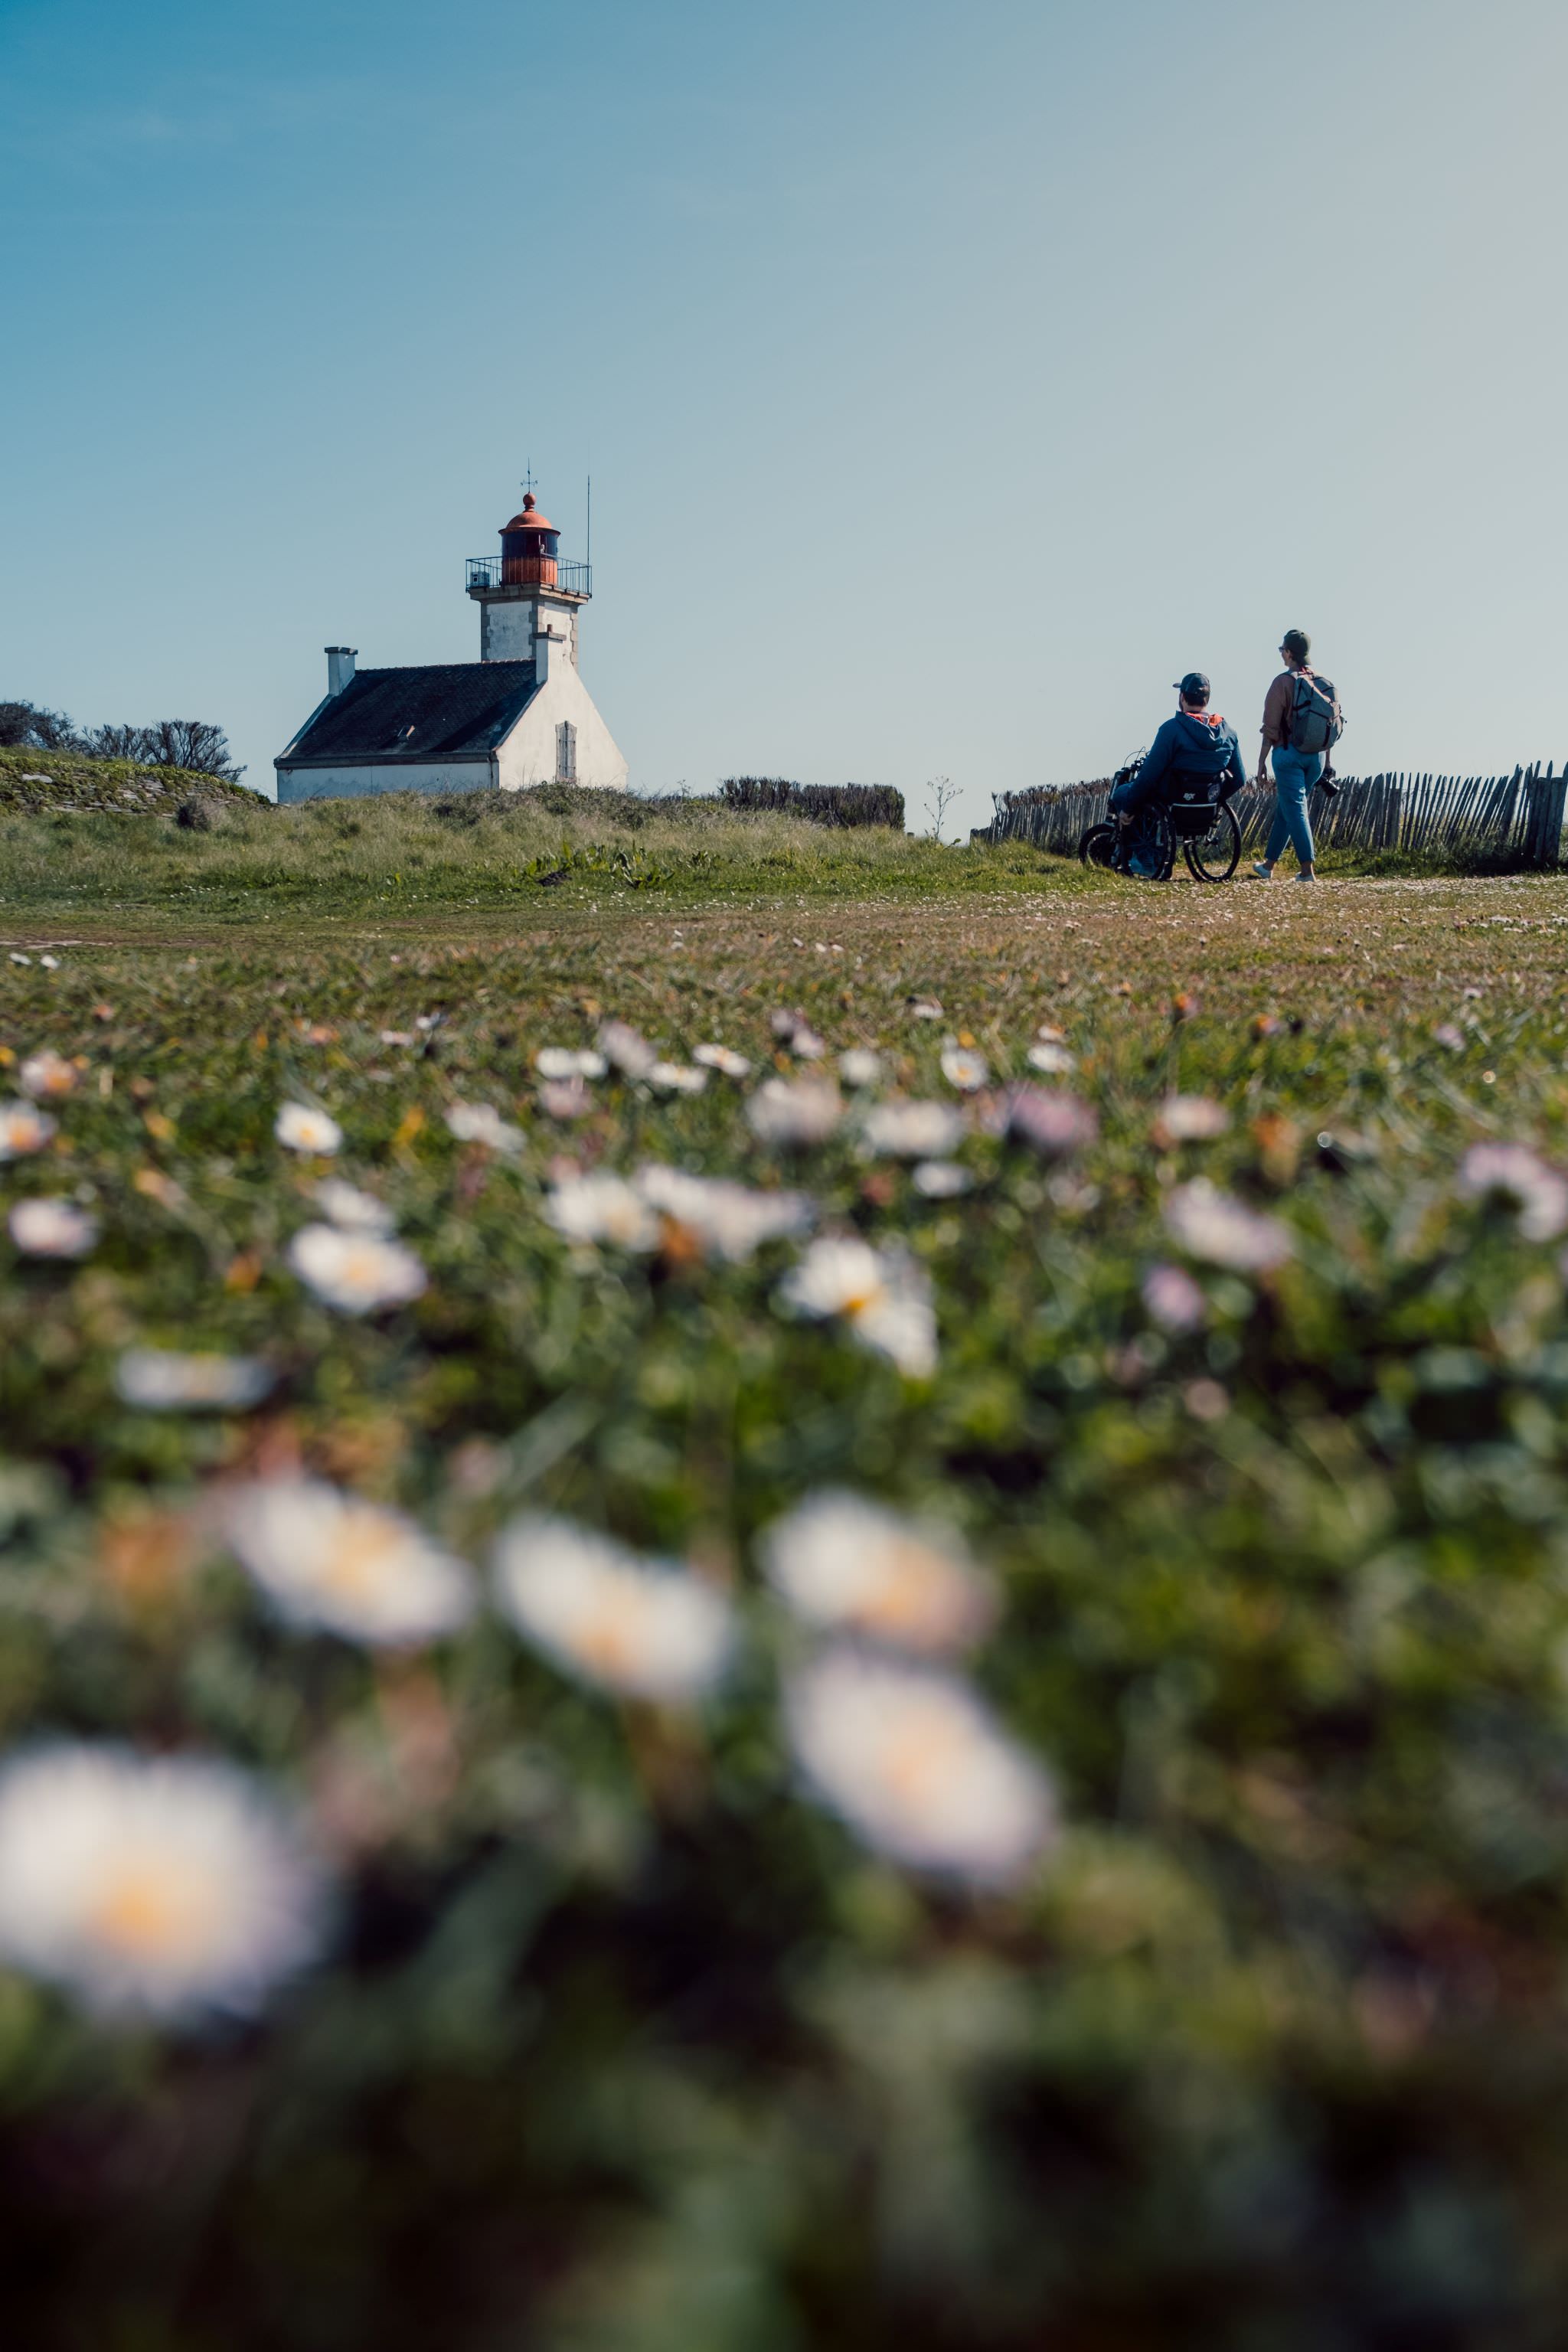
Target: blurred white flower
(924, 1008)
(51, 963)
(601, 1208)
(647, 1628)
(1053, 1061)
(1189, 1119)
(963, 1068)
(730, 1219)
(356, 1273)
(913, 1131)
(916, 1765)
(397, 1037)
(792, 1112)
(677, 1078)
(942, 1180)
(565, 1098)
(303, 1128)
(46, 1075)
(16, 956)
(861, 1066)
(482, 1123)
(883, 1295)
(627, 1048)
(1049, 1034)
(351, 1210)
(1214, 1226)
(327, 1559)
(1447, 1034)
(848, 1565)
(1054, 1122)
(797, 1035)
(169, 1886)
(52, 1228)
(1513, 1172)
(23, 1128)
(569, 1061)
(722, 1058)
(161, 1379)
(1172, 1299)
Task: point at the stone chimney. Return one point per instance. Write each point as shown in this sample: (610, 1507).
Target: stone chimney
(340, 668)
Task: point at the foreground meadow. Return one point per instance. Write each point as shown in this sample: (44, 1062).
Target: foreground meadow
(830, 1625)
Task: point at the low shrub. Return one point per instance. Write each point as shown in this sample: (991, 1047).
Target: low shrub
(845, 805)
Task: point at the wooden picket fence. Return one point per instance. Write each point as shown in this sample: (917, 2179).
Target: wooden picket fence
(1517, 817)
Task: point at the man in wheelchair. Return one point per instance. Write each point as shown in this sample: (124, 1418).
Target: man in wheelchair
(1194, 757)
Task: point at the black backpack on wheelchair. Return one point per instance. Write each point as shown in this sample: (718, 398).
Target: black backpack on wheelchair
(1192, 820)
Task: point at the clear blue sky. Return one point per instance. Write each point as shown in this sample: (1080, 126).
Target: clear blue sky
(950, 377)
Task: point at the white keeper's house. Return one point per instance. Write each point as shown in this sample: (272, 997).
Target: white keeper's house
(519, 715)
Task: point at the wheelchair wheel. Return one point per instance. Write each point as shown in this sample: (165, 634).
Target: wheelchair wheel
(1214, 855)
(1098, 846)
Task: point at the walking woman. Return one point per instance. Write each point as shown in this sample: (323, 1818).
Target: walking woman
(1301, 723)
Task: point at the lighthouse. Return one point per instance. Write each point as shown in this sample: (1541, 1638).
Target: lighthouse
(519, 717)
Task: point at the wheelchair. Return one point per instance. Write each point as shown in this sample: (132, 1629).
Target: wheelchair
(1204, 830)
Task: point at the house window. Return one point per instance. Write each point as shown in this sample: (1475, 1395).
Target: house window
(567, 753)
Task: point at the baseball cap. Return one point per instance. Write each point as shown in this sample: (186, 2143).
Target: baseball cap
(1195, 687)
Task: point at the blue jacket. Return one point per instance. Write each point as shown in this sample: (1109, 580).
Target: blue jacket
(1187, 747)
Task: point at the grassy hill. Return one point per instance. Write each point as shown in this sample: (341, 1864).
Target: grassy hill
(35, 783)
(484, 849)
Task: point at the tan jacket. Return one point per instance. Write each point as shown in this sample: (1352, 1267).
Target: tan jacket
(1277, 704)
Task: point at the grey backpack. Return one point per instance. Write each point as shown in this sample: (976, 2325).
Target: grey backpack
(1316, 720)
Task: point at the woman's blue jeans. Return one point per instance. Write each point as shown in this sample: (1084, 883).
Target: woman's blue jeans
(1295, 773)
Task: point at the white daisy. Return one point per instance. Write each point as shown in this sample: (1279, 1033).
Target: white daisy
(677, 1078)
(965, 1068)
(883, 1295)
(303, 1128)
(1172, 1299)
(482, 1123)
(23, 1128)
(1218, 1228)
(46, 1075)
(791, 1113)
(351, 1210)
(942, 1180)
(647, 1628)
(171, 1886)
(601, 1208)
(722, 1058)
(916, 1765)
(847, 1565)
(627, 1048)
(1189, 1119)
(728, 1218)
(327, 1559)
(1513, 1172)
(913, 1131)
(161, 1379)
(1053, 1061)
(52, 1228)
(861, 1066)
(355, 1273)
(569, 1061)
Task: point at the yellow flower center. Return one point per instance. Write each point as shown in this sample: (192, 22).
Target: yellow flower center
(149, 1908)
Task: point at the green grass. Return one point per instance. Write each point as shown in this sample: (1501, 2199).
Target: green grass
(623, 2046)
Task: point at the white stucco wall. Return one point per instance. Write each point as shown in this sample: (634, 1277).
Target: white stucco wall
(352, 782)
(528, 755)
(507, 625)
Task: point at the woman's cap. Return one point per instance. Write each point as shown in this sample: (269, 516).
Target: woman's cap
(1193, 688)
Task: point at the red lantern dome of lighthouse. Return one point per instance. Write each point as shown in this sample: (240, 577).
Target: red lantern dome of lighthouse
(529, 544)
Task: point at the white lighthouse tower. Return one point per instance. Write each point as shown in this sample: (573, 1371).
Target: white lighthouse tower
(520, 716)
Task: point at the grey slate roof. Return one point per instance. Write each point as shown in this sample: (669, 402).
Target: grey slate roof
(442, 711)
